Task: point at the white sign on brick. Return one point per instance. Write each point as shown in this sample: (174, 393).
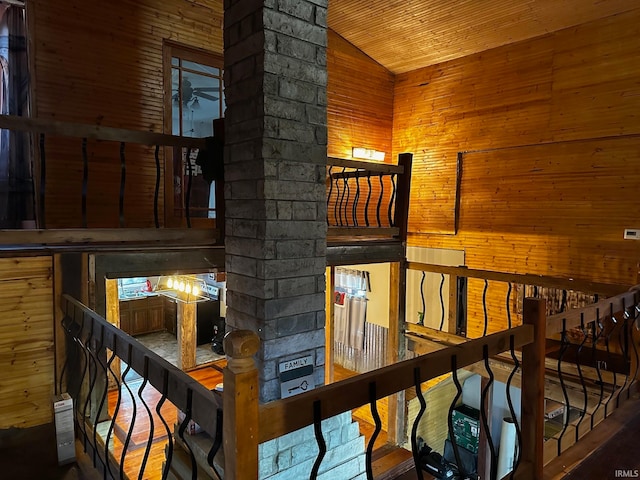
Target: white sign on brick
(296, 376)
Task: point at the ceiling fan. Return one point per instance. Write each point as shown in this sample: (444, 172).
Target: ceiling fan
(190, 94)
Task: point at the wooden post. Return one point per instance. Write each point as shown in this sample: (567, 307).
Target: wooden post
(113, 317)
(452, 321)
(329, 328)
(396, 348)
(58, 331)
(533, 365)
(186, 333)
(404, 193)
(240, 406)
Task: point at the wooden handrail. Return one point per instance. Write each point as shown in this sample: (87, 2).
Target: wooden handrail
(204, 402)
(368, 166)
(96, 132)
(102, 236)
(283, 416)
(591, 313)
(578, 285)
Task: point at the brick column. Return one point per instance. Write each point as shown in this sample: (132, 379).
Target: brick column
(275, 157)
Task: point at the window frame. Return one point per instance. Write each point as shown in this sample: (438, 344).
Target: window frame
(171, 49)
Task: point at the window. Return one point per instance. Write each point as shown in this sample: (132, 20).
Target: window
(192, 105)
(16, 179)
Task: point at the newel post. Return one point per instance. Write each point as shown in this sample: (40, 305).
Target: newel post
(533, 367)
(240, 406)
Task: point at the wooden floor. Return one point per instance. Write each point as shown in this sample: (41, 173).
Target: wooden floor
(140, 429)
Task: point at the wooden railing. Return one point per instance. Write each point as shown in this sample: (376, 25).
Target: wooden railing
(102, 359)
(368, 199)
(278, 418)
(589, 362)
(156, 146)
(96, 346)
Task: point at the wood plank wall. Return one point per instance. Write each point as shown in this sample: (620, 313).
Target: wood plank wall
(26, 342)
(359, 114)
(359, 100)
(558, 208)
(101, 63)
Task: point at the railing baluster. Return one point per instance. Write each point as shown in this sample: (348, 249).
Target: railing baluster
(483, 414)
(125, 446)
(85, 181)
(512, 410)
(156, 192)
(580, 376)
(217, 443)
(378, 423)
(145, 378)
(337, 206)
(508, 301)
(380, 201)
(441, 302)
(366, 205)
(123, 179)
(78, 400)
(422, 315)
(356, 198)
(416, 422)
(93, 373)
(116, 408)
(43, 181)
(342, 196)
(346, 203)
(392, 222)
(636, 318)
(564, 345)
(317, 430)
(103, 398)
(484, 308)
(597, 332)
(454, 443)
(613, 370)
(187, 200)
(623, 340)
(181, 430)
(330, 192)
(163, 398)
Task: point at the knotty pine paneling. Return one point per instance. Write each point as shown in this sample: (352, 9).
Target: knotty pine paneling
(101, 63)
(556, 209)
(26, 342)
(359, 101)
(404, 36)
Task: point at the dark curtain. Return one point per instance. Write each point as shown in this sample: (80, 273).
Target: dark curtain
(16, 179)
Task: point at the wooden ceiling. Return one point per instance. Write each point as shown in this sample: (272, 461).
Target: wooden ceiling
(404, 35)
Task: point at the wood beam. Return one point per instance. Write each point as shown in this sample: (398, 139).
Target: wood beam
(96, 132)
(526, 279)
(111, 236)
(433, 334)
(113, 317)
(186, 333)
(369, 166)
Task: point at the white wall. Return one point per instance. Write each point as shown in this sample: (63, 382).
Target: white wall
(431, 287)
(471, 392)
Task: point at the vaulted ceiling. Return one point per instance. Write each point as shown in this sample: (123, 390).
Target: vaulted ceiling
(404, 35)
